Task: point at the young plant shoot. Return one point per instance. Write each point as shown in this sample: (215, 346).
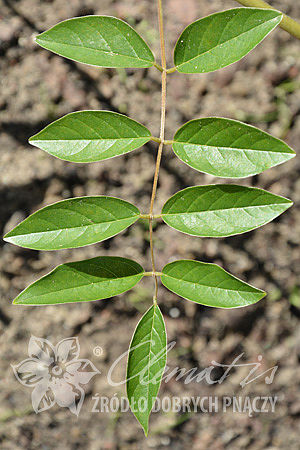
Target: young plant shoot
(217, 146)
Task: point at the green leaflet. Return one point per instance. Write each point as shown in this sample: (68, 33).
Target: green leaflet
(222, 38)
(101, 41)
(83, 281)
(146, 364)
(208, 284)
(74, 223)
(222, 210)
(228, 148)
(89, 136)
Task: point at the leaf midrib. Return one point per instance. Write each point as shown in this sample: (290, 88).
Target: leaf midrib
(233, 148)
(150, 346)
(210, 286)
(40, 41)
(155, 315)
(90, 139)
(224, 209)
(74, 228)
(84, 285)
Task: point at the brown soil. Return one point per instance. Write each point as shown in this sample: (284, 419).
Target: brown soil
(38, 87)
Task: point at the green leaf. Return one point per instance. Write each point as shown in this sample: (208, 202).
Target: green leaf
(222, 210)
(228, 148)
(101, 41)
(146, 364)
(89, 136)
(83, 281)
(222, 38)
(74, 223)
(208, 284)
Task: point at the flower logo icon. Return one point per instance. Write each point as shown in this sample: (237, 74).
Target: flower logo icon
(56, 374)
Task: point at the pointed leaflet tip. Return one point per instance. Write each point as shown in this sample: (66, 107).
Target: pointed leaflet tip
(84, 136)
(229, 36)
(146, 364)
(228, 148)
(222, 210)
(101, 41)
(105, 277)
(208, 284)
(74, 223)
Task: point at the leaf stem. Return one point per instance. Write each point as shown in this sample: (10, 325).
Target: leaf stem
(161, 145)
(172, 70)
(151, 274)
(158, 140)
(155, 139)
(147, 216)
(158, 67)
(288, 24)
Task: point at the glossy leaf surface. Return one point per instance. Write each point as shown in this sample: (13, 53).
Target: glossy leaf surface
(228, 148)
(101, 41)
(89, 136)
(146, 364)
(222, 210)
(208, 284)
(83, 281)
(74, 223)
(222, 38)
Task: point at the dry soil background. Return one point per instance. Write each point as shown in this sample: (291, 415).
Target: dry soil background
(38, 87)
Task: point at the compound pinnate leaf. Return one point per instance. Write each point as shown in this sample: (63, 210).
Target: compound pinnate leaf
(146, 364)
(74, 223)
(101, 41)
(222, 210)
(222, 38)
(83, 281)
(208, 284)
(228, 148)
(89, 136)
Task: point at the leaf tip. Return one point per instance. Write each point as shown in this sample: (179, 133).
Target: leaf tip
(37, 38)
(145, 428)
(279, 15)
(289, 203)
(262, 294)
(33, 140)
(40, 38)
(276, 13)
(16, 301)
(10, 238)
(7, 237)
(142, 421)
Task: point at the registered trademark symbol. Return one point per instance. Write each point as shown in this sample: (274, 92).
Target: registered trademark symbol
(98, 351)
